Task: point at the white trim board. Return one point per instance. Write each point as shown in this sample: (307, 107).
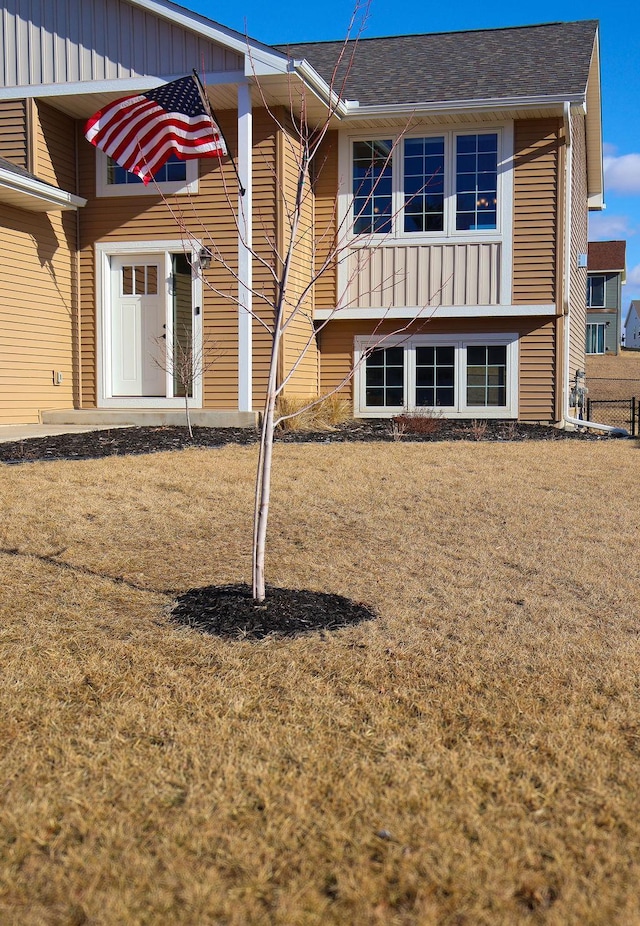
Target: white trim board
(442, 311)
(104, 251)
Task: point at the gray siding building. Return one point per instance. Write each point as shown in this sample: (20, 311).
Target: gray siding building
(606, 275)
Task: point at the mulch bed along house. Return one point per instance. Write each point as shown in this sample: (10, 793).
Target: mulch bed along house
(94, 444)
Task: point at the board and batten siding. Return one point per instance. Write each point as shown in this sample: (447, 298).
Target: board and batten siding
(61, 41)
(536, 344)
(535, 211)
(209, 217)
(38, 307)
(424, 275)
(14, 132)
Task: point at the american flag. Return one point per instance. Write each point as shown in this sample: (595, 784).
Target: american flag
(141, 132)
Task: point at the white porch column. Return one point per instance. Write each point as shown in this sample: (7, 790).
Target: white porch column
(245, 143)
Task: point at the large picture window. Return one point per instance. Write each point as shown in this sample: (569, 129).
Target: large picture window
(472, 376)
(443, 184)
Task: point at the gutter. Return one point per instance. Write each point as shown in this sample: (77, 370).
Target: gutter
(357, 110)
(567, 418)
(38, 190)
(321, 88)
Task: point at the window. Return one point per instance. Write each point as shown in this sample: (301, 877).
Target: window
(372, 204)
(462, 376)
(175, 176)
(172, 170)
(476, 182)
(435, 184)
(595, 338)
(423, 184)
(595, 292)
(385, 378)
(486, 375)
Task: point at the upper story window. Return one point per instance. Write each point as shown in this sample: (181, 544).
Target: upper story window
(175, 176)
(434, 184)
(595, 291)
(172, 170)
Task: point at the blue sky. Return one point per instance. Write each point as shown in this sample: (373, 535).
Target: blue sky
(292, 21)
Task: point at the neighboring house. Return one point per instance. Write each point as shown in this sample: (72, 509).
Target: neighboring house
(606, 274)
(632, 326)
(478, 224)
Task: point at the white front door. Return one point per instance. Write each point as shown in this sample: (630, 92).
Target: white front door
(139, 294)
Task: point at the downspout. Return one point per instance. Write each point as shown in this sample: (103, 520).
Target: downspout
(77, 307)
(568, 418)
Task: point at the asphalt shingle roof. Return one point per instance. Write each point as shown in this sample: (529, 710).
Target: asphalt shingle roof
(606, 255)
(14, 169)
(523, 61)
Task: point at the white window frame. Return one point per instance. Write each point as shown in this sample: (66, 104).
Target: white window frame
(103, 254)
(178, 187)
(596, 353)
(363, 344)
(397, 235)
(590, 278)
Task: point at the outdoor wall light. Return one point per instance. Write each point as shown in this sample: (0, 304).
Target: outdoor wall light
(204, 258)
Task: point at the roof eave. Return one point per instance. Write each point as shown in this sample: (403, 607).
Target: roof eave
(593, 132)
(357, 111)
(31, 194)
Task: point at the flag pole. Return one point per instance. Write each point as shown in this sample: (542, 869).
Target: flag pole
(205, 100)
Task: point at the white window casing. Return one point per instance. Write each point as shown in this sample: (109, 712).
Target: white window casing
(398, 238)
(364, 344)
(190, 185)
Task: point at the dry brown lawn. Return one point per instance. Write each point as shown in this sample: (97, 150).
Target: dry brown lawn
(614, 376)
(470, 757)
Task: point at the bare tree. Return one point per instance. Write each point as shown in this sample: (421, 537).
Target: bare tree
(288, 302)
(185, 362)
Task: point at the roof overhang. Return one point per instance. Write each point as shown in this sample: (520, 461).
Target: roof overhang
(438, 108)
(593, 129)
(26, 192)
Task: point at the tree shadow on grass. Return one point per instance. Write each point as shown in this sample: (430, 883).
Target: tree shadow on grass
(229, 611)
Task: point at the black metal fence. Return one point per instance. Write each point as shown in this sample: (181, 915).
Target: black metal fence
(620, 413)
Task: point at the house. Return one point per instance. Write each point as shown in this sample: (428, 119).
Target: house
(632, 326)
(471, 241)
(606, 274)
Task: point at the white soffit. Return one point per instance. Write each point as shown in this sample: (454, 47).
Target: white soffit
(26, 192)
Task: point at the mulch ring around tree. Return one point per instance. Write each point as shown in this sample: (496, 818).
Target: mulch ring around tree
(89, 445)
(229, 611)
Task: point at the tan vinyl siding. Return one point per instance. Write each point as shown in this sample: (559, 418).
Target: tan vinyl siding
(54, 159)
(38, 309)
(36, 313)
(579, 235)
(14, 133)
(208, 216)
(536, 390)
(536, 147)
(265, 234)
(299, 351)
(326, 177)
(535, 348)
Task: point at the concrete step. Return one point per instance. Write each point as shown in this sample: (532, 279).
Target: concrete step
(137, 417)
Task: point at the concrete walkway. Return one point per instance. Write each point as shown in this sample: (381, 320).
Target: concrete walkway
(14, 432)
